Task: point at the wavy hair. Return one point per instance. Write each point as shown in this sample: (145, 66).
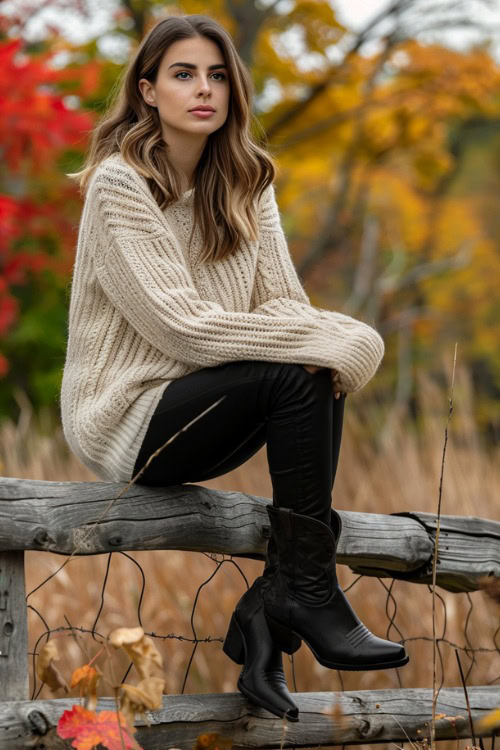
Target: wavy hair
(233, 169)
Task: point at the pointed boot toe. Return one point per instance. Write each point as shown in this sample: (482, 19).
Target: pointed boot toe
(249, 642)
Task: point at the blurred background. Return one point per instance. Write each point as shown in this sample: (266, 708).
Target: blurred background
(385, 120)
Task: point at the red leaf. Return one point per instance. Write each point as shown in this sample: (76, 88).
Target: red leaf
(90, 728)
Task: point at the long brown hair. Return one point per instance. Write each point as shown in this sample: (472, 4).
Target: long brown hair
(233, 169)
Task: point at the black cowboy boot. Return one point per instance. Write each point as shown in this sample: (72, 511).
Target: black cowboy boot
(304, 599)
(249, 642)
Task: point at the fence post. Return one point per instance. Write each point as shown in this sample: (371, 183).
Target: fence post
(14, 682)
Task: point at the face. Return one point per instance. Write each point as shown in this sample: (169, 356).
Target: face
(180, 88)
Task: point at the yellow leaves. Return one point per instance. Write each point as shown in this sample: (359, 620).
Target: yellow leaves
(488, 722)
(47, 671)
(145, 696)
(382, 129)
(140, 648)
(319, 23)
(431, 164)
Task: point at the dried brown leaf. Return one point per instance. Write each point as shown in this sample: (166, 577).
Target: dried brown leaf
(140, 648)
(146, 696)
(47, 671)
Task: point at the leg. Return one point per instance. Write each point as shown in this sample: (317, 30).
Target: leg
(259, 399)
(303, 599)
(223, 439)
(303, 442)
(284, 404)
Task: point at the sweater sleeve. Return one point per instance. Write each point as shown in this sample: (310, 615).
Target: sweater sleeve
(142, 271)
(278, 289)
(276, 275)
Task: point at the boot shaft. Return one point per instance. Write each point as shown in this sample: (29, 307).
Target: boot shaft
(306, 552)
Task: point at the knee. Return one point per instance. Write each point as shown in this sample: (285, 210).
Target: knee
(298, 374)
(294, 373)
(289, 370)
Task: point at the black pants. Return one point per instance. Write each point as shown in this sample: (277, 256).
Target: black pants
(291, 409)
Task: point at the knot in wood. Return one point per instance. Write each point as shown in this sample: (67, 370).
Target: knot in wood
(38, 722)
(363, 728)
(41, 537)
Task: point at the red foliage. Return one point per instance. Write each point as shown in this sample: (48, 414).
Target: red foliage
(90, 729)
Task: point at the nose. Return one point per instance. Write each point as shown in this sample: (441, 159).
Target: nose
(205, 86)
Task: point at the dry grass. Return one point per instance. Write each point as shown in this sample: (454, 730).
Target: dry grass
(384, 467)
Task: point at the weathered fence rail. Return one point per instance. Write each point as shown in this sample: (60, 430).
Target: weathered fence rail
(61, 517)
(362, 717)
(58, 516)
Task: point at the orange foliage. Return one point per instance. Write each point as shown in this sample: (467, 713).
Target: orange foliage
(90, 729)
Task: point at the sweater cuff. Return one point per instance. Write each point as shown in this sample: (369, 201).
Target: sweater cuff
(353, 348)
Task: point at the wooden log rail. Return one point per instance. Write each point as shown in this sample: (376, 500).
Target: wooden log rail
(325, 719)
(61, 517)
(58, 517)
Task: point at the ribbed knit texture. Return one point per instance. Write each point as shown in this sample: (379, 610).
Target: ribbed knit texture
(144, 312)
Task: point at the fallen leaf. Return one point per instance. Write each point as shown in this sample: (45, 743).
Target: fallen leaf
(90, 729)
(47, 671)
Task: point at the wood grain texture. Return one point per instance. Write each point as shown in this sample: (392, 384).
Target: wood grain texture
(468, 549)
(60, 517)
(14, 683)
(360, 717)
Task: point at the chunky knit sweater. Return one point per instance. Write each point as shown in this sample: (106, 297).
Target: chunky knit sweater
(143, 311)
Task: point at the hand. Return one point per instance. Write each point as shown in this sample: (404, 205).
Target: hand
(337, 392)
(313, 368)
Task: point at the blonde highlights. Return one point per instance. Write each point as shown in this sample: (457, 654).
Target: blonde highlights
(233, 170)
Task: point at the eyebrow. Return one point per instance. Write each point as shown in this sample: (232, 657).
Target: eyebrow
(194, 67)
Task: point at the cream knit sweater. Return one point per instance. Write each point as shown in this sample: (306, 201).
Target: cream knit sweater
(143, 312)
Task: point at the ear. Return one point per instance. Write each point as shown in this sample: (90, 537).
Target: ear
(147, 92)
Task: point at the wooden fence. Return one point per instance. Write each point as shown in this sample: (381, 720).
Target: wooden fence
(61, 517)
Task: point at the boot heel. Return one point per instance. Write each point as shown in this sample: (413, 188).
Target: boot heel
(233, 642)
(285, 639)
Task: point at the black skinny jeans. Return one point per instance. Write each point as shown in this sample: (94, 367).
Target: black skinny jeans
(291, 409)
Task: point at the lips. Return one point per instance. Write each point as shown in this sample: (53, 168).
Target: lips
(202, 109)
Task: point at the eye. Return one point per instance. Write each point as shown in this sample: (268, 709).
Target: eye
(182, 72)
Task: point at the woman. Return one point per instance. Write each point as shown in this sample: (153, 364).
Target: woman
(184, 293)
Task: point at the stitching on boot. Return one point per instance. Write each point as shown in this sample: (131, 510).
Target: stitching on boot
(357, 635)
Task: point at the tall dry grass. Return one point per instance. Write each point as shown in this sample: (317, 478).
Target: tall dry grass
(385, 465)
